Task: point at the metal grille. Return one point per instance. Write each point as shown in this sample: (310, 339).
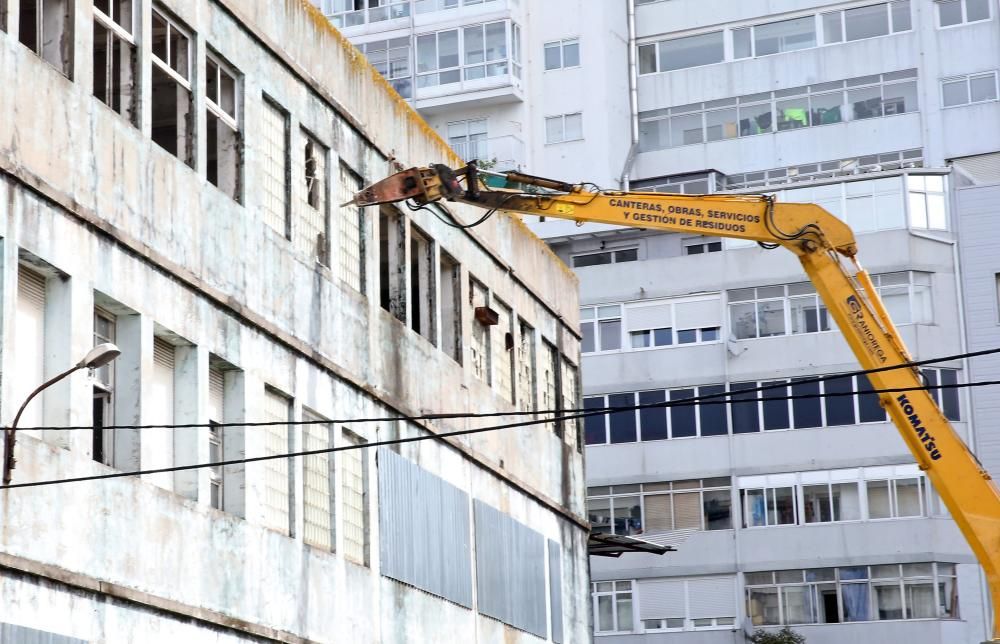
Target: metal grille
(318, 530)
(527, 391)
(479, 347)
(353, 482)
(309, 231)
(503, 356)
(276, 499)
(423, 529)
(274, 138)
(349, 230)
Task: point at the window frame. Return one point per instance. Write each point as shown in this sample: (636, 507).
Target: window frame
(614, 593)
(967, 79)
(222, 67)
(562, 123)
(560, 46)
(165, 65)
(663, 488)
(965, 14)
(596, 320)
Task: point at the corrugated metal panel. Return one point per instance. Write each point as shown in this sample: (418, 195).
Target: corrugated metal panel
(510, 573)
(11, 634)
(423, 529)
(980, 170)
(712, 597)
(661, 599)
(555, 591)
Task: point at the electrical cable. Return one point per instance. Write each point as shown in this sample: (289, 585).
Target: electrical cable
(685, 401)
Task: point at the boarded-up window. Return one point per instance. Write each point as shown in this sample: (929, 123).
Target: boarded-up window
(479, 349)
(527, 384)
(277, 471)
(503, 351)
(354, 480)
(274, 167)
(349, 227)
(510, 570)
(423, 529)
(316, 497)
(309, 228)
(29, 342)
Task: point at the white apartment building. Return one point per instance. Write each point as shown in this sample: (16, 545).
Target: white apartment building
(174, 179)
(808, 513)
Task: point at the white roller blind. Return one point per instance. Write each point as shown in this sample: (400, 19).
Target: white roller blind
(659, 515)
(648, 317)
(687, 510)
(661, 599)
(163, 382)
(712, 597)
(698, 314)
(30, 341)
(216, 389)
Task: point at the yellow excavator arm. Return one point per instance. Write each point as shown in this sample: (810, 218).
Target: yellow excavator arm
(822, 243)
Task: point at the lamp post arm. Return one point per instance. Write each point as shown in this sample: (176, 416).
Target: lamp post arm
(9, 433)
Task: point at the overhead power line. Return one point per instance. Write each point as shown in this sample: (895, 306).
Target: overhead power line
(742, 393)
(435, 436)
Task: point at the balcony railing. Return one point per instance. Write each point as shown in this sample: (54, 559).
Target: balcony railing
(499, 153)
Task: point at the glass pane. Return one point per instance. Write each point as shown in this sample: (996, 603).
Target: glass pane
(833, 30)
(571, 54)
(782, 511)
(647, 59)
(622, 423)
(856, 603)
(685, 130)
(574, 127)
(653, 421)
(865, 102)
(799, 607)
(713, 412)
(159, 37)
(918, 210)
(605, 614)
(496, 41)
(718, 509)
(755, 119)
(775, 411)
(771, 318)
(888, 601)
(805, 315)
(743, 320)
(628, 515)
(179, 53)
(846, 499)
(899, 98)
(587, 341)
(919, 600)
(763, 606)
(947, 596)
(787, 35)
(687, 336)
(663, 337)
(839, 407)
(793, 113)
(692, 51)
(594, 426)
(599, 514)
(949, 12)
(936, 217)
(826, 108)
(949, 397)
(624, 602)
(447, 49)
(754, 509)
(878, 500)
(474, 45)
(682, 417)
(816, 501)
(983, 88)
(640, 339)
(741, 43)
(901, 20)
(977, 10)
(745, 416)
(806, 411)
(611, 335)
(908, 498)
(867, 22)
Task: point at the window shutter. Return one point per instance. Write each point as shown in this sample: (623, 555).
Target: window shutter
(687, 511)
(698, 314)
(163, 382)
(216, 388)
(661, 599)
(712, 597)
(659, 515)
(648, 317)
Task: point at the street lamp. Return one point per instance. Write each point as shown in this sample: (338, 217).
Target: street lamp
(97, 357)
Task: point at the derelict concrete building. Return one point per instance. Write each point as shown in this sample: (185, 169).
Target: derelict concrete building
(171, 175)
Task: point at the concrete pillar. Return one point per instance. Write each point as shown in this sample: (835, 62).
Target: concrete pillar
(133, 373)
(253, 442)
(69, 320)
(234, 479)
(191, 406)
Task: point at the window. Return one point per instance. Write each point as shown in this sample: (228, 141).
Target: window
(216, 436)
(276, 167)
(775, 37)
(170, 74)
(479, 349)
(309, 229)
(392, 262)
(560, 54)
(278, 472)
(423, 298)
(29, 325)
(354, 482)
(677, 604)
(527, 380)
(566, 127)
(701, 245)
(471, 53)
(160, 401)
(957, 12)
(768, 506)
(392, 59)
(612, 606)
(451, 311)
(825, 170)
(971, 88)
(350, 227)
(681, 53)
(656, 421)
(606, 257)
(317, 472)
(502, 350)
(569, 383)
(653, 508)
(223, 141)
(46, 28)
(468, 139)
(866, 22)
(102, 446)
(601, 327)
(778, 111)
(425, 6)
(351, 13)
(852, 594)
(116, 58)
(549, 367)
(907, 296)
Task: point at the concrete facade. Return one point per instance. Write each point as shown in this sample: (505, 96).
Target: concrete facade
(259, 298)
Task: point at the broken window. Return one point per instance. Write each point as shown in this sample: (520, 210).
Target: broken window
(479, 350)
(350, 224)
(223, 142)
(104, 388)
(309, 229)
(354, 479)
(503, 350)
(550, 384)
(392, 263)
(527, 391)
(451, 314)
(422, 295)
(170, 75)
(276, 167)
(278, 472)
(46, 28)
(115, 56)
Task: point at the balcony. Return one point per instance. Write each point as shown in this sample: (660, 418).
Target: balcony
(497, 154)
